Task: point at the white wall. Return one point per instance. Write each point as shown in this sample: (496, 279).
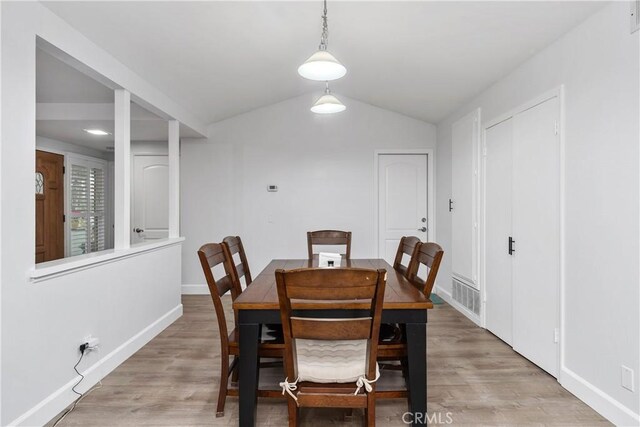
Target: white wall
(124, 302)
(598, 62)
(323, 166)
(50, 144)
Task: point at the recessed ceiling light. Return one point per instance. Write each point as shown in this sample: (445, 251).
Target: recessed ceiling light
(99, 132)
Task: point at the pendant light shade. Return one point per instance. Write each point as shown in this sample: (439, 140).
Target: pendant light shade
(328, 104)
(322, 66)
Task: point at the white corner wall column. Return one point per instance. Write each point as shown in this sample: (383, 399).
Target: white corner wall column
(174, 178)
(122, 179)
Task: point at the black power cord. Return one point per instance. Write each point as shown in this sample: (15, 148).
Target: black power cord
(83, 348)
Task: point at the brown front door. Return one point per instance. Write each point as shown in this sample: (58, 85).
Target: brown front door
(49, 206)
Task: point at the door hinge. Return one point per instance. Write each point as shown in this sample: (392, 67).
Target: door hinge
(556, 335)
(556, 128)
(64, 170)
(64, 218)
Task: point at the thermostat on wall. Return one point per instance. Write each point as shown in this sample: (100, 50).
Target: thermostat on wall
(272, 188)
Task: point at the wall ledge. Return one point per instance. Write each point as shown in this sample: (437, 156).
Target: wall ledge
(62, 267)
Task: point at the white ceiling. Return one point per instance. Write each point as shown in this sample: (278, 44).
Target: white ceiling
(421, 59)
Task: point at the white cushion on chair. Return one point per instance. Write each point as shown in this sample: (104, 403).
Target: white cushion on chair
(331, 361)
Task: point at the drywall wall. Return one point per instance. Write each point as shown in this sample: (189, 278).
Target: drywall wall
(54, 145)
(124, 302)
(598, 64)
(323, 167)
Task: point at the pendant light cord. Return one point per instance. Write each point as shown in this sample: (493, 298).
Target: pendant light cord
(324, 40)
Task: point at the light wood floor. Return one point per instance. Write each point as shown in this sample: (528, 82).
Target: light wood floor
(474, 376)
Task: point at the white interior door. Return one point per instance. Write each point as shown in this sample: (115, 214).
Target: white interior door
(402, 200)
(498, 172)
(150, 198)
(536, 230)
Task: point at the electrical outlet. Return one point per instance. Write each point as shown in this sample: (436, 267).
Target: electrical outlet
(627, 378)
(91, 342)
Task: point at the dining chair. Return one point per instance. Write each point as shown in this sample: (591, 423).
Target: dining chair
(234, 243)
(329, 237)
(407, 246)
(212, 255)
(330, 362)
(391, 332)
(235, 247)
(430, 255)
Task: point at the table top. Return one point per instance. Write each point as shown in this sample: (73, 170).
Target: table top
(262, 294)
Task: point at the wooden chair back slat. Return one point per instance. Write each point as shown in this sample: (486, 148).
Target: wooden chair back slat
(332, 284)
(323, 329)
(330, 293)
(329, 237)
(408, 245)
(430, 255)
(234, 243)
(224, 285)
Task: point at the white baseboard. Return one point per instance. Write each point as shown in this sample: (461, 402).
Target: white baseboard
(597, 399)
(191, 289)
(455, 304)
(48, 408)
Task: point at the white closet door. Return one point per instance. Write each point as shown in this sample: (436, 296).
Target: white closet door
(536, 231)
(498, 165)
(464, 166)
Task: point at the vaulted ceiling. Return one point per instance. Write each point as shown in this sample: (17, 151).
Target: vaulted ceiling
(421, 59)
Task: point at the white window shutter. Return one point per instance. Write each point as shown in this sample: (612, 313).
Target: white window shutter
(86, 210)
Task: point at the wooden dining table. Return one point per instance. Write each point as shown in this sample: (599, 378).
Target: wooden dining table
(403, 304)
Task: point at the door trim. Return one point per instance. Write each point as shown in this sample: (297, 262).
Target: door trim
(431, 195)
(557, 92)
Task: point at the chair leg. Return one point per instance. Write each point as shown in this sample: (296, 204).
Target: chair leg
(224, 378)
(370, 411)
(293, 412)
(235, 371)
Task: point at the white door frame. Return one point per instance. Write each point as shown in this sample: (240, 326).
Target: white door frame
(559, 93)
(431, 195)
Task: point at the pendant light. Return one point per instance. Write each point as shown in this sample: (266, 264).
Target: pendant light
(328, 103)
(322, 66)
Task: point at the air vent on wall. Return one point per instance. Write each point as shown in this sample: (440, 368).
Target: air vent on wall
(635, 16)
(466, 296)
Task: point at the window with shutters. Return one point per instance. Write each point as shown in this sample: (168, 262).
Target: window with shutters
(86, 210)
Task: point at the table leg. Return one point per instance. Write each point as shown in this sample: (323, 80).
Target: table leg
(249, 373)
(417, 366)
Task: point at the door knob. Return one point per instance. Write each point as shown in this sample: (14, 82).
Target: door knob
(138, 230)
(423, 229)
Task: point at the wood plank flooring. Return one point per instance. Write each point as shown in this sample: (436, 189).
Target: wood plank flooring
(472, 375)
